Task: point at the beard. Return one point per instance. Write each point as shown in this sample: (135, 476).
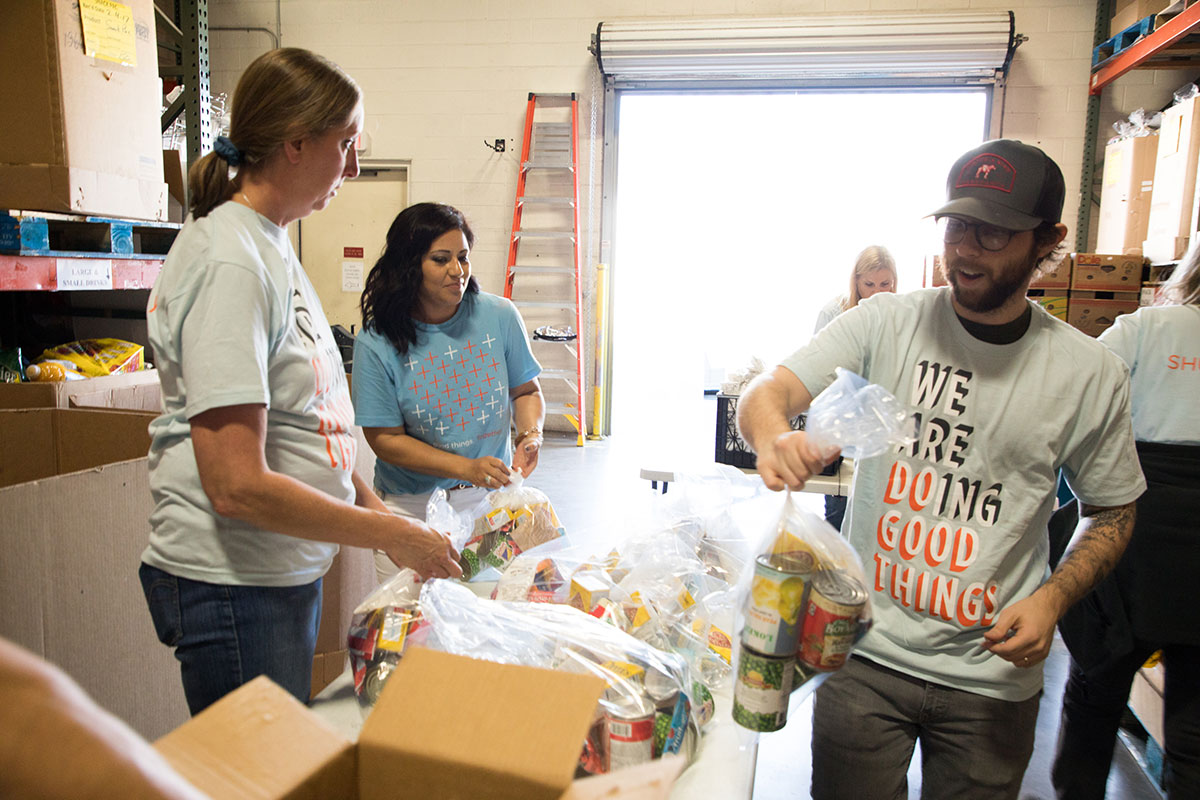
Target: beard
(998, 284)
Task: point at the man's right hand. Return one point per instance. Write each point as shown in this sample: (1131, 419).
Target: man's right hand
(789, 460)
(426, 551)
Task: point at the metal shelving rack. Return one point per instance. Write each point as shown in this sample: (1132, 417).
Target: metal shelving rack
(1175, 45)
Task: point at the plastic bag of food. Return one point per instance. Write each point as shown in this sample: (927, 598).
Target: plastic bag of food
(646, 709)
(506, 523)
(859, 418)
(805, 606)
(90, 358)
(381, 629)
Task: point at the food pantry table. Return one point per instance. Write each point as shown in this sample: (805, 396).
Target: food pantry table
(723, 766)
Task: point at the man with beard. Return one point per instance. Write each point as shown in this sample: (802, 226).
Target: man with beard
(952, 527)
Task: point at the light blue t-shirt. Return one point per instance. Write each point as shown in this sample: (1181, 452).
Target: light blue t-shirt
(234, 320)
(450, 390)
(1161, 345)
(953, 527)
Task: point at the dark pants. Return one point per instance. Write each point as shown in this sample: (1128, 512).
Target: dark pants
(226, 635)
(866, 722)
(1092, 707)
(835, 510)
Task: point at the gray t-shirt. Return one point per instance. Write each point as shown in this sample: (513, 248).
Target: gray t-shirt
(952, 529)
(233, 320)
(1161, 345)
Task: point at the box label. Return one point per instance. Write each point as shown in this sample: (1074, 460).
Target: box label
(108, 31)
(83, 273)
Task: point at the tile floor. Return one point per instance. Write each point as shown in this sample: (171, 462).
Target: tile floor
(597, 488)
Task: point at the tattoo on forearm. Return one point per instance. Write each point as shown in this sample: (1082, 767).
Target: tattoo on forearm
(1099, 541)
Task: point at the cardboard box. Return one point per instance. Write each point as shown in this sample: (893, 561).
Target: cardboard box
(1058, 278)
(138, 391)
(1055, 302)
(1094, 312)
(176, 178)
(1129, 12)
(1146, 700)
(440, 730)
(1108, 273)
(933, 272)
(82, 133)
(69, 549)
(1125, 195)
(1173, 196)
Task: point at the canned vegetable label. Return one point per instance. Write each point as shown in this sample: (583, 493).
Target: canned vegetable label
(760, 695)
(773, 609)
(830, 626)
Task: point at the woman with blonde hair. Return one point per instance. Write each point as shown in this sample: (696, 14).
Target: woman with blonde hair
(874, 272)
(252, 461)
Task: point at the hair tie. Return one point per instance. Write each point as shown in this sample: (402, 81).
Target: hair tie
(227, 150)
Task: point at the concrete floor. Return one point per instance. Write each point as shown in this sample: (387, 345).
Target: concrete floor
(597, 492)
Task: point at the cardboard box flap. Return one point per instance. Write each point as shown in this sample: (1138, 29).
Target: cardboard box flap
(260, 742)
(650, 781)
(450, 726)
(40, 443)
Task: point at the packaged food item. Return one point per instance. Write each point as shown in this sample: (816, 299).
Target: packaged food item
(381, 629)
(507, 522)
(12, 365)
(88, 358)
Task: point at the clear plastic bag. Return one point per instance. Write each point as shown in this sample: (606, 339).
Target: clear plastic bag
(804, 606)
(861, 419)
(646, 710)
(506, 523)
(382, 627)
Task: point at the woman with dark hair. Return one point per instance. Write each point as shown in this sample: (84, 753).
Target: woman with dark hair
(1150, 603)
(441, 371)
(252, 461)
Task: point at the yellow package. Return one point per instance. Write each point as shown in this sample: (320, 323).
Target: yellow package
(98, 357)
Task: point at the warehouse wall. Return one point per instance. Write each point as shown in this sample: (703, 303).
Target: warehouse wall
(443, 76)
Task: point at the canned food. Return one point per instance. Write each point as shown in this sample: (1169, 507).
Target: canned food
(629, 730)
(830, 627)
(760, 695)
(773, 609)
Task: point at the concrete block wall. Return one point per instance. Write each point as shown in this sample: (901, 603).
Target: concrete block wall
(443, 76)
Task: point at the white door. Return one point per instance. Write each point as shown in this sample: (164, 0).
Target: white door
(340, 244)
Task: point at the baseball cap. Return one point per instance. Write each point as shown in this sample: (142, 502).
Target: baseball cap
(1006, 183)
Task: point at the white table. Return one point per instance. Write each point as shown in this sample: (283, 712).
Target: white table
(838, 484)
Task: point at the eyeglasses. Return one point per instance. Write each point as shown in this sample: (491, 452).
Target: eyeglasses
(990, 237)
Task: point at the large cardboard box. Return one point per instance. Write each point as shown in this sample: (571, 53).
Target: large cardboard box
(1094, 312)
(445, 726)
(1127, 12)
(69, 550)
(1058, 278)
(139, 391)
(1174, 191)
(81, 132)
(1053, 300)
(1107, 272)
(1125, 195)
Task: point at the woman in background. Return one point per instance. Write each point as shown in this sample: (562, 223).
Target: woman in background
(252, 461)
(874, 272)
(1156, 577)
(441, 371)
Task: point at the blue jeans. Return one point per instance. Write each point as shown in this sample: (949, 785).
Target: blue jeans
(225, 636)
(1092, 707)
(866, 722)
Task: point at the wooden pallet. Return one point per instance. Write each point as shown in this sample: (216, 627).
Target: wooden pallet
(1122, 40)
(38, 233)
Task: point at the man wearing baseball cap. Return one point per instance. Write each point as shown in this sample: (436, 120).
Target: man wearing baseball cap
(952, 528)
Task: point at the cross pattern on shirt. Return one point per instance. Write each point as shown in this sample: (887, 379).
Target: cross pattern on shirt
(453, 386)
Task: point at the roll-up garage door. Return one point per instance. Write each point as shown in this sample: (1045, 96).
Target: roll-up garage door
(958, 47)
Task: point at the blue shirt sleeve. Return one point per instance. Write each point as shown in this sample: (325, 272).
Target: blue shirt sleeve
(373, 385)
(522, 366)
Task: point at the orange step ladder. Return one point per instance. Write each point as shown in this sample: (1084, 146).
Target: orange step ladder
(544, 251)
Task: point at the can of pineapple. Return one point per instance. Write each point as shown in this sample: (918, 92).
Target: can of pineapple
(773, 608)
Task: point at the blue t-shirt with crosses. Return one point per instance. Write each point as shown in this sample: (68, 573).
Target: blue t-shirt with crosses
(450, 390)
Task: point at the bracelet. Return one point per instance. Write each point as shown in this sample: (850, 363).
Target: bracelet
(524, 434)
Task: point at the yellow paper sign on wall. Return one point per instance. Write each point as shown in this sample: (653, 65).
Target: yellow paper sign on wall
(108, 31)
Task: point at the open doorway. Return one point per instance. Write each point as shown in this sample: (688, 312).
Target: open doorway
(739, 215)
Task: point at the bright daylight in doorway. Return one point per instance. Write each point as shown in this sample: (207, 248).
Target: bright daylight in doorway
(739, 215)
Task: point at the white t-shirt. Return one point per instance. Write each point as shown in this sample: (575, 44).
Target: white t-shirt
(952, 529)
(830, 310)
(233, 320)
(1161, 345)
